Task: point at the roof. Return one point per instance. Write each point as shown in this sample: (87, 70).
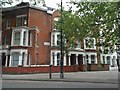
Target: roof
(49, 10)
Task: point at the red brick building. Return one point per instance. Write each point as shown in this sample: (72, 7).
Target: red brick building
(29, 39)
(26, 29)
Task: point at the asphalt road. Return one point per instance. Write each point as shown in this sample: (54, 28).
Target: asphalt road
(53, 84)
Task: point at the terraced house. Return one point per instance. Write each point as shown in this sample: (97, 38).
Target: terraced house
(30, 39)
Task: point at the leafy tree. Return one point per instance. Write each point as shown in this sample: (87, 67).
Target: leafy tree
(98, 19)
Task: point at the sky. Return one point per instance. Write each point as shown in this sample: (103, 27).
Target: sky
(53, 3)
(50, 3)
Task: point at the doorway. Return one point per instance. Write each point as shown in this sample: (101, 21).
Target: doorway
(3, 59)
(80, 59)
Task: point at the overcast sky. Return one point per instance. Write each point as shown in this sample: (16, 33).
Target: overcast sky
(53, 3)
(50, 3)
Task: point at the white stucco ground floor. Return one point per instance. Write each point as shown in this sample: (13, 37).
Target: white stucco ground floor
(19, 57)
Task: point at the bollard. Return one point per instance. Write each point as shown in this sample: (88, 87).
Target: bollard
(50, 71)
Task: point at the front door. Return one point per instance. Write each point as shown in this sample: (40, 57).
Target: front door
(73, 59)
(80, 59)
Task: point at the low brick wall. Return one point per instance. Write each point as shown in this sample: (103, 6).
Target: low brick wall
(92, 67)
(82, 68)
(105, 67)
(40, 69)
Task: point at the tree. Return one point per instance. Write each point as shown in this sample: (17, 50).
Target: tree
(98, 19)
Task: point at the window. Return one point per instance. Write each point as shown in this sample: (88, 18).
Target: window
(58, 40)
(31, 38)
(90, 43)
(17, 38)
(56, 23)
(78, 44)
(87, 58)
(53, 58)
(23, 58)
(103, 59)
(15, 59)
(24, 38)
(113, 61)
(36, 39)
(58, 59)
(108, 59)
(8, 23)
(30, 59)
(21, 20)
(7, 40)
(53, 40)
(92, 59)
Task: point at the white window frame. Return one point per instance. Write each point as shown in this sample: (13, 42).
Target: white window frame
(21, 37)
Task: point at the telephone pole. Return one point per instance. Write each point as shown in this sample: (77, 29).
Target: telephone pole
(61, 61)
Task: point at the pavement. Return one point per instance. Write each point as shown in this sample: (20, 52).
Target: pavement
(89, 76)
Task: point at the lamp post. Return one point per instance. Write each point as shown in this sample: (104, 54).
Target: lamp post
(61, 61)
(118, 54)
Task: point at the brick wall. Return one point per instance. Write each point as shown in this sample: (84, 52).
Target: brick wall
(92, 67)
(40, 69)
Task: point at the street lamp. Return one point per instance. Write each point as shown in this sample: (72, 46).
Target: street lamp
(118, 54)
(61, 61)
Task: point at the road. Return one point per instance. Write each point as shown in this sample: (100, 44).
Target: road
(53, 84)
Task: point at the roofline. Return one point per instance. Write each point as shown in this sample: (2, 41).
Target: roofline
(42, 8)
